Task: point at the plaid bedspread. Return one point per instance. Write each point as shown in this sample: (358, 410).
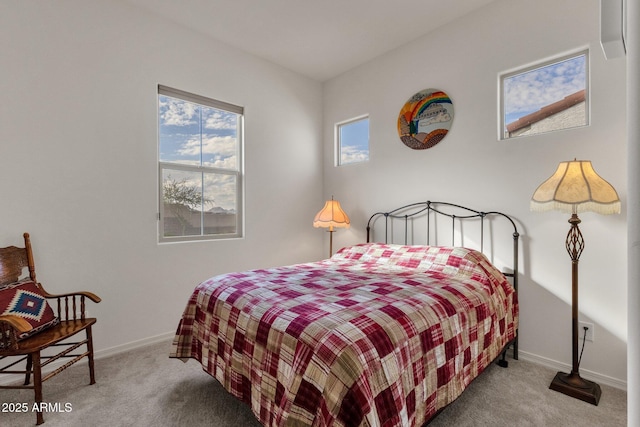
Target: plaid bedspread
(377, 335)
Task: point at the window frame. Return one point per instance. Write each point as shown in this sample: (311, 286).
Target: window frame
(502, 126)
(338, 140)
(238, 172)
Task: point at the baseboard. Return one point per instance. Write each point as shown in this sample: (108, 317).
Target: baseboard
(565, 367)
(112, 351)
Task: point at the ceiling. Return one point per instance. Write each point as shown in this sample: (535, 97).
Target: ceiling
(317, 38)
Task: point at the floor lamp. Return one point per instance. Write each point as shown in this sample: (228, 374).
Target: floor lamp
(575, 187)
(331, 216)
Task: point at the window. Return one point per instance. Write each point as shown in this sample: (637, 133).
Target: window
(200, 167)
(545, 97)
(352, 141)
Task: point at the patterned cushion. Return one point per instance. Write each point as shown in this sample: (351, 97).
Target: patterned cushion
(24, 299)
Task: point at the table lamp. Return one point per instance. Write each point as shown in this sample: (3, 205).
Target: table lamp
(331, 216)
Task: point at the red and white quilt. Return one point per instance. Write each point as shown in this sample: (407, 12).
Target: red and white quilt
(377, 335)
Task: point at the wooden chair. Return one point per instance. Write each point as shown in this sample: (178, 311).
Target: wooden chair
(16, 323)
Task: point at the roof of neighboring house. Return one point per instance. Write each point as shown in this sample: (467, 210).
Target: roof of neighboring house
(549, 110)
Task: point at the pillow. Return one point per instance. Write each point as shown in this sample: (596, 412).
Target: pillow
(450, 261)
(24, 299)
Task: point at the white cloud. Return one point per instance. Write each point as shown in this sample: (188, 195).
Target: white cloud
(222, 189)
(217, 151)
(530, 91)
(176, 112)
(219, 120)
(353, 155)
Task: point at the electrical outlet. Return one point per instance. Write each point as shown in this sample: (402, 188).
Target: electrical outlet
(590, 331)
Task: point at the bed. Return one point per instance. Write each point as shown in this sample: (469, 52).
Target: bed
(380, 334)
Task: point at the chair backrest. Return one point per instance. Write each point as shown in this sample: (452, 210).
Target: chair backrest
(13, 261)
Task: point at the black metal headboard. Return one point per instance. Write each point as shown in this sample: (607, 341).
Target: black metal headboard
(457, 213)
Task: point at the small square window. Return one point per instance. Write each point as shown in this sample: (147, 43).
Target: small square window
(545, 97)
(352, 141)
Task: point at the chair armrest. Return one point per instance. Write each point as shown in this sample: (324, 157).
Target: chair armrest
(17, 323)
(70, 305)
(93, 297)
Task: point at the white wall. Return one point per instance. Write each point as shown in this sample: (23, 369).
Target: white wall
(78, 158)
(471, 167)
(78, 162)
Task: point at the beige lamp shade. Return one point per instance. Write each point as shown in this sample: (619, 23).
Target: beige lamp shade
(331, 216)
(575, 187)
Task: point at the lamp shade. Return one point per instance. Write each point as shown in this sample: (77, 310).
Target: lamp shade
(331, 216)
(575, 187)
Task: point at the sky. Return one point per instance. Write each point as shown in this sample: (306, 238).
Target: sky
(528, 92)
(354, 142)
(187, 132)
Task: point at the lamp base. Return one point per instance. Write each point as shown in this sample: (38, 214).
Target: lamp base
(575, 386)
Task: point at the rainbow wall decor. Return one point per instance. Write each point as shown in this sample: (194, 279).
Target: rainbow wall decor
(425, 119)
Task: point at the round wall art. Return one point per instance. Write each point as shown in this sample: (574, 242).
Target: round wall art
(425, 119)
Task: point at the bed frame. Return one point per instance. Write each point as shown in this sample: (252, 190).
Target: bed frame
(406, 216)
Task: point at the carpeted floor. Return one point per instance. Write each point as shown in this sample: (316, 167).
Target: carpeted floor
(146, 388)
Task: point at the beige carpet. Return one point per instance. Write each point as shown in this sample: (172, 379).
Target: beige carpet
(146, 388)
